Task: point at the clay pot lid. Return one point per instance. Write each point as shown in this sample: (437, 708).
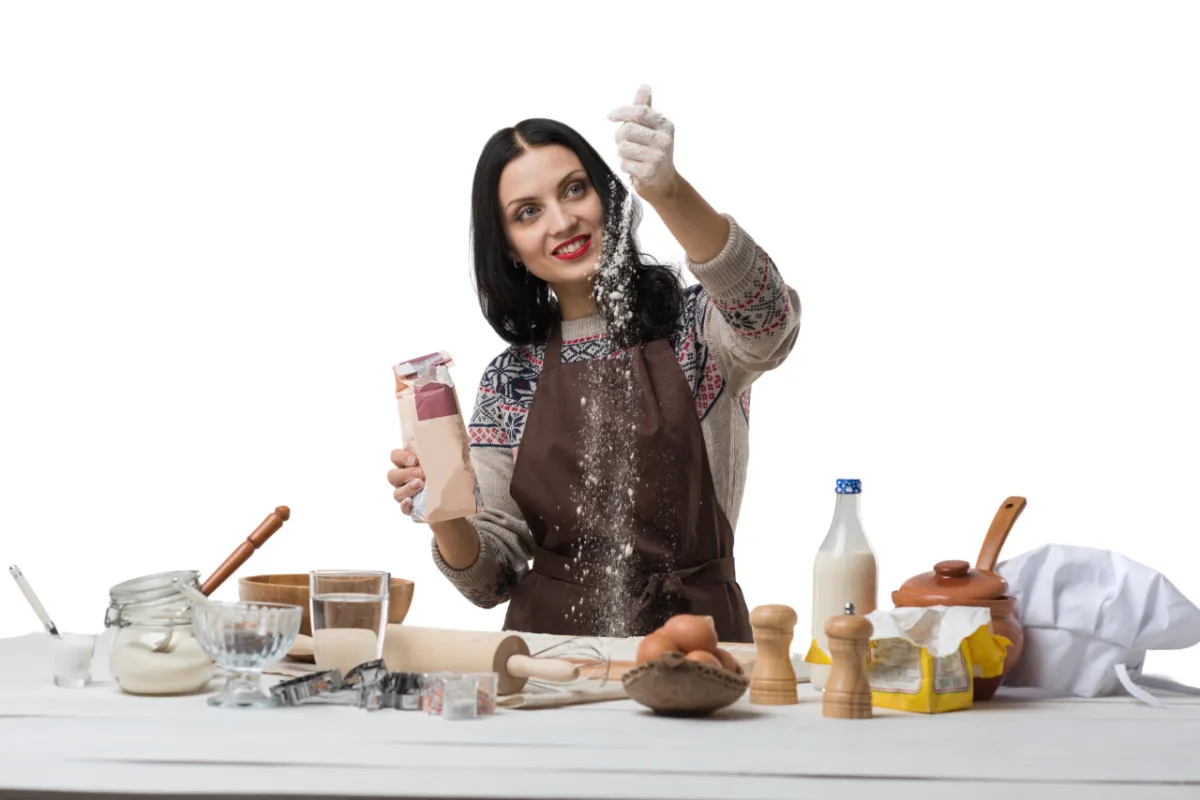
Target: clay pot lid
(956, 582)
(952, 583)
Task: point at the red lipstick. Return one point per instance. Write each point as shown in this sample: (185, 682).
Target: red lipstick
(587, 245)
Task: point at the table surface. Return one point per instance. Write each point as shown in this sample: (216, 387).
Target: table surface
(99, 741)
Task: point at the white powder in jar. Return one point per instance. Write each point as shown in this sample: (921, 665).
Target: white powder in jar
(182, 667)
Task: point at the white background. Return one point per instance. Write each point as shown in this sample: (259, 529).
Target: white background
(222, 223)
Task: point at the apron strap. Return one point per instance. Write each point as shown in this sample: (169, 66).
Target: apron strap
(656, 584)
(553, 353)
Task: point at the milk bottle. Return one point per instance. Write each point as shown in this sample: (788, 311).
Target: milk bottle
(844, 571)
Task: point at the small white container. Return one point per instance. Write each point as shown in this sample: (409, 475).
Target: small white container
(73, 660)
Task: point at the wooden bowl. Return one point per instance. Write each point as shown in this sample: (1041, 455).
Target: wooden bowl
(285, 588)
(672, 686)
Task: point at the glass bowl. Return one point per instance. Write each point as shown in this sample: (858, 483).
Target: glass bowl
(243, 639)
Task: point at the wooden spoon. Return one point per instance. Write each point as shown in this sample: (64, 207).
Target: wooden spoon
(1002, 523)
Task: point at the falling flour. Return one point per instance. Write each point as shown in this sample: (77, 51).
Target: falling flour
(614, 275)
(610, 462)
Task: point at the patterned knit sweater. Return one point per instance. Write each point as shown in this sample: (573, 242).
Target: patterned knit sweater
(740, 321)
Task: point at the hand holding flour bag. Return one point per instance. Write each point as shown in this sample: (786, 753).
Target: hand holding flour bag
(1090, 616)
(432, 428)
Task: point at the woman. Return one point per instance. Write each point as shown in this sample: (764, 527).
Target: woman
(610, 438)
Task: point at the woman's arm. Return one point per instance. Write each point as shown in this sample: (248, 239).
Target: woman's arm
(502, 546)
(747, 315)
(484, 555)
(457, 542)
(698, 228)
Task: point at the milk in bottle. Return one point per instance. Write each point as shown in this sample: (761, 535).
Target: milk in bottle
(844, 571)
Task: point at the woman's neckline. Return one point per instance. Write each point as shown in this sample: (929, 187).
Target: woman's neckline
(588, 327)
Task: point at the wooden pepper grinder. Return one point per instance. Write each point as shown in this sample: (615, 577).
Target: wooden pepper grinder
(848, 690)
(773, 680)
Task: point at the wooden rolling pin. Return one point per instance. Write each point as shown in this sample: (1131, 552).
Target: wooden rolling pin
(273, 522)
(413, 649)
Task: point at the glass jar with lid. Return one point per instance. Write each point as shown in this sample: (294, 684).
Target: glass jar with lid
(154, 650)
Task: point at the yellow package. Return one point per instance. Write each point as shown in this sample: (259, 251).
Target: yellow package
(926, 659)
(816, 655)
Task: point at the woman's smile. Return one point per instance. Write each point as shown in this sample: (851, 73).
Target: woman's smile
(573, 249)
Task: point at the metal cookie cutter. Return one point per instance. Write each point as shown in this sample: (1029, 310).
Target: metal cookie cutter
(295, 691)
(368, 673)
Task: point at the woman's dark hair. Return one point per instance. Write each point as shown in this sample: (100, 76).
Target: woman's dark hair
(520, 306)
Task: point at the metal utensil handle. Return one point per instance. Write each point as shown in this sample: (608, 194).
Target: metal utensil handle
(27, 590)
(552, 670)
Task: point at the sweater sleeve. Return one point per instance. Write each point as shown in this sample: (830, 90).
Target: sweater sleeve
(747, 315)
(505, 543)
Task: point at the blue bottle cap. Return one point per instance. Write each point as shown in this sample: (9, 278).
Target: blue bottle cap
(848, 486)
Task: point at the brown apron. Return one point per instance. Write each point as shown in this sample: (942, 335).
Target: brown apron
(619, 552)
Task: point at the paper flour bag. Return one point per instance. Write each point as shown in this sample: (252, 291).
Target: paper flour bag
(926, 659)
(432, 427)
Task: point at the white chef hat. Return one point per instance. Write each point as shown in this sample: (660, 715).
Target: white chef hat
(1090, 616)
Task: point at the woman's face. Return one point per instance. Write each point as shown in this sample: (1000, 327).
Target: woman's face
(552, 215)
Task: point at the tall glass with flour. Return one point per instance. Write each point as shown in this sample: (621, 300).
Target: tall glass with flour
(844, 571)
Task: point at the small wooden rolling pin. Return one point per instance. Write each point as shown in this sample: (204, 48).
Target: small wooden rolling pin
(413, 649)
(255, 540)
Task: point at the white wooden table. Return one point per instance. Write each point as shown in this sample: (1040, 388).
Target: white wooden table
(97, 740)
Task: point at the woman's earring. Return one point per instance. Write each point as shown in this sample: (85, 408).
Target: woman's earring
(518, 264)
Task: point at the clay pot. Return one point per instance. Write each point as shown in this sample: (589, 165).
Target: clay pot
(956, 583)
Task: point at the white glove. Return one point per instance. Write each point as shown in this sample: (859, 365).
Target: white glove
(646, 145)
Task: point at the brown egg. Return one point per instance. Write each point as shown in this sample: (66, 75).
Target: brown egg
(704, 657)
(654, 646)
(728, 661)
(690, 632)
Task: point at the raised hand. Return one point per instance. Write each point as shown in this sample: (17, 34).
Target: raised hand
(646, 145)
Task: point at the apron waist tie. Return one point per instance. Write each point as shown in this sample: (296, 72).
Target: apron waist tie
(656, 584)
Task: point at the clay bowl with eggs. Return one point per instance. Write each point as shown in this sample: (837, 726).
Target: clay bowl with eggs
(682, 672)
(293, 589)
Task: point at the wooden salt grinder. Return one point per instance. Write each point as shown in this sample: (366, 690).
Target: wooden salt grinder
(773, 680)
(848, 688)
